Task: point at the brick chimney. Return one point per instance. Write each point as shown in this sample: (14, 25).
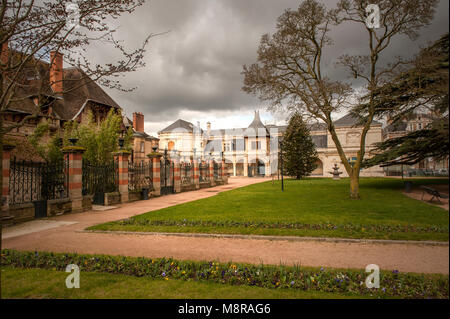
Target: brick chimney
(5, 53)
(56, 72)
(138, 122)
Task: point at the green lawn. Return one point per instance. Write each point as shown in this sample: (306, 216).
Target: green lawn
(44, 283)
(310, 207)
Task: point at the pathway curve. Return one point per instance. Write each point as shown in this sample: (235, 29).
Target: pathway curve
(69, 238)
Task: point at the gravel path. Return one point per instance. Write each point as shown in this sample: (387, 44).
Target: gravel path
(69, 238)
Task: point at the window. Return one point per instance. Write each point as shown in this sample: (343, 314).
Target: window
(420, 126)
(256, 145)
(142, 147)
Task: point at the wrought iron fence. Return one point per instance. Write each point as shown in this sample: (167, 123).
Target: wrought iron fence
(217, 171)
(187, 176)
(140, 176)
(204, 172)
(37, 181)
(99, 178)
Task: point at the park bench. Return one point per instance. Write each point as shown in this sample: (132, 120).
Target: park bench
(433, 192)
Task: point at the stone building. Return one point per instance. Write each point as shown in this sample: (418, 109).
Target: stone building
(253, 151)
(414, 122)
(70, 96)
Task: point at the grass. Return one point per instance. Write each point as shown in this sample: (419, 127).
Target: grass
(44, 283)
(322, 203)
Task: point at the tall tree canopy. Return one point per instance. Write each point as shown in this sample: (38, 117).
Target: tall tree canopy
(423, 87)
(289, 72)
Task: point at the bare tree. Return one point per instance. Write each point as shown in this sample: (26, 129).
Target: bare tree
(34, 32)
(289, 70)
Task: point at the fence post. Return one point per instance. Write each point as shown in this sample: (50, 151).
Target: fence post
(155, 158)
(176, 175)
(224, 172)
(122, 158)
(196, 174)
(211, 173)
(5, 175)
(74, 156)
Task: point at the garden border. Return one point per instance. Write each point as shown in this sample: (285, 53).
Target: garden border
(274, 238)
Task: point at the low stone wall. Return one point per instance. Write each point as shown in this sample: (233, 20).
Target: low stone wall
(22, 212)
(57, 207)
(112, 198)
(87, 202)
(134, 195)
(188, 188)
(219, 182)
(205, 185)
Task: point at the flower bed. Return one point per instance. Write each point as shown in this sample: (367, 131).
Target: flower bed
(392, 284)
(325, 226)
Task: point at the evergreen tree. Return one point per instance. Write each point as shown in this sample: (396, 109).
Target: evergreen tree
(299, 153)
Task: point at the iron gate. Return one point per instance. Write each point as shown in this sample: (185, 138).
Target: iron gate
(167, 174)
(99, 179)
(38, 182)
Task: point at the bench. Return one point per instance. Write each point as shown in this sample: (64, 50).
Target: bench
(433, 192)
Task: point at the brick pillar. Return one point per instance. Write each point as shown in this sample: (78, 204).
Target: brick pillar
(196, 174)
(211, 172)
(75, 157)
(224, 172)
(156, 172)
(177, 175)
(5, 175)
(122, 158)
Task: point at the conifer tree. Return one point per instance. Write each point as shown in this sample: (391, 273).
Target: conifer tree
(299, 153)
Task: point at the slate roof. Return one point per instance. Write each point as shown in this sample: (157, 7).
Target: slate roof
(78, 90)
(350, 120)
(179, 126)
(145, 135)
(396, 127)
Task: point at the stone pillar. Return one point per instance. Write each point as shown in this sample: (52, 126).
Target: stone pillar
(234, 168)
(268, 169)
(5, 176)
(211, 173)
(246, 165)
(176, 175)
(122, 158)
(156, 172)
(74, 156)
(196, 174)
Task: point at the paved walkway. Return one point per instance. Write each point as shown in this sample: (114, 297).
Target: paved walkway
(70, 238)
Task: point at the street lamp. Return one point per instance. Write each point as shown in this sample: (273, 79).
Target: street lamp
(281, 164)
(121, 142)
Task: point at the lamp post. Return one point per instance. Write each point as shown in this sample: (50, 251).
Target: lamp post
(121, 143)
(281, 168)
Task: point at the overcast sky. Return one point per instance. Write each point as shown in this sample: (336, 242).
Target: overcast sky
(193, 72)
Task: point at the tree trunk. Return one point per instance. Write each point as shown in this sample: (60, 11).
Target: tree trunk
(354, 185)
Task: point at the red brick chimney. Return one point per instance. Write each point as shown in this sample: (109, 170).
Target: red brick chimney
(138, 122)
(5, 53)
(56, 72)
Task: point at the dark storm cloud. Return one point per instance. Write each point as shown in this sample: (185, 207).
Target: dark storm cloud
(196, 66)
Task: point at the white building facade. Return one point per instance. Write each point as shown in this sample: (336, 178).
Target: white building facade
(253, 151)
